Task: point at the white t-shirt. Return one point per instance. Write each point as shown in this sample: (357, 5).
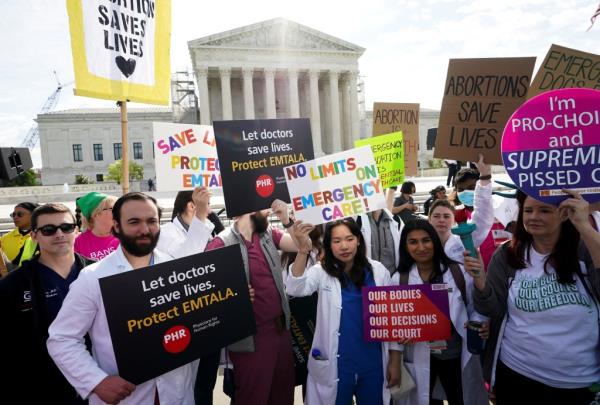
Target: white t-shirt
(551, 334)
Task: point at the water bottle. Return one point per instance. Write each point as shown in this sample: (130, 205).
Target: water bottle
(475, 344)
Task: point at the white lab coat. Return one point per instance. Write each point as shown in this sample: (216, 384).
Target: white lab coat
(177, 242)
(416, 356)
(365, 228)
(83, 312)
(322, 374)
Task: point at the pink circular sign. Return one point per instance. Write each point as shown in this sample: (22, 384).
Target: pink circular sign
(553, 142)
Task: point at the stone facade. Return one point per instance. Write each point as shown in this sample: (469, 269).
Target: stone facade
(281, 69)
(73, 141)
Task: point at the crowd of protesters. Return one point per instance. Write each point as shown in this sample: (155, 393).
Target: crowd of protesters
(537, 351)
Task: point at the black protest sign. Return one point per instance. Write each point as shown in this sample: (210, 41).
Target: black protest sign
(166, 315)
(479, 97)
(302, 329)
(566, 68)
(252, 155)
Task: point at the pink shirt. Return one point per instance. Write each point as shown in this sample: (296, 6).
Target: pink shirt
(95, 247)
(267, 302)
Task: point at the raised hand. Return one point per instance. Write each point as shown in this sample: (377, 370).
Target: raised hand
(201, 198)
(475, 267)
(280, 209)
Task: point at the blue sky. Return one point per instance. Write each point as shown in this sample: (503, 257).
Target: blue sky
(408, 42)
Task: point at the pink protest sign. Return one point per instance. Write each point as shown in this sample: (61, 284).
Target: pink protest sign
(419, 312)
(552, 142)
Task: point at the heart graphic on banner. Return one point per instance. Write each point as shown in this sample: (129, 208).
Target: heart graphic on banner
(126, 66)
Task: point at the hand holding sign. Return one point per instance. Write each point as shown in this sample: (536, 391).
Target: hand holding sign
(300, 235)
(576, 209)
(201, 198)
(280, 209)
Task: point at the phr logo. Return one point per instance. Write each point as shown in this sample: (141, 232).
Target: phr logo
(177, 339)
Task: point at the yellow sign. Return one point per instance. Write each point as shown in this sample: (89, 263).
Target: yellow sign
(121, 50)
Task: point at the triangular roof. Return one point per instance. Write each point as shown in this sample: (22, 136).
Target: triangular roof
(278, 33)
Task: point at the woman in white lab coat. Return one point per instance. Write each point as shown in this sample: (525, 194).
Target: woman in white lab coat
(342, 365)
(458, 371)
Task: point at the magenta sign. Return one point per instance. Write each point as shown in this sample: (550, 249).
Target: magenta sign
(553, 142)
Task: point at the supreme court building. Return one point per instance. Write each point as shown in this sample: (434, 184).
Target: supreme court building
(272, 69)
(281, 69)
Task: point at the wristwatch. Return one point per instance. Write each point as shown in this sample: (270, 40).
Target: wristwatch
(486, 177)
(289, 224)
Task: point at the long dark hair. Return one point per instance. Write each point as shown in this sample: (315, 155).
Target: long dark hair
(441, 261)
(334, 267)
(564, 257)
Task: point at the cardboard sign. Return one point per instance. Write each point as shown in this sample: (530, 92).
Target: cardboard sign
(563, 68)
(121, 50)
(479, 97)
(553, 142)
(335, 186)
(252, 154)
(164, 316)
(388, 151)
(185, 157)
(400, 117)
(419, 312)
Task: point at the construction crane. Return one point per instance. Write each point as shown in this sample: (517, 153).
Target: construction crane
(33, 134)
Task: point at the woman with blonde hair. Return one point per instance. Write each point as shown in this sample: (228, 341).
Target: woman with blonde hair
(97, 241)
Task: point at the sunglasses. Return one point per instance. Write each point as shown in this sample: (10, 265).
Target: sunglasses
(49, 230)
(17, 214)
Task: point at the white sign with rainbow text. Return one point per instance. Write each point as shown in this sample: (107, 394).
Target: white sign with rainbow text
(336, 186)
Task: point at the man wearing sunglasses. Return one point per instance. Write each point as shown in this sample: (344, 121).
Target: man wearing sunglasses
(137, 225)
(30, 298)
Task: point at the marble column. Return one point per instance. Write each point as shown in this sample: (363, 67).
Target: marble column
(270, 93)
(334, 92)
(202, 78)
(225, 74)
(293, 93)
(247, 74)
(354, 118)
(315, 112)
(346, 129)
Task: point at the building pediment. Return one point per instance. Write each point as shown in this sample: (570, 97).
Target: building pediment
(278, 33)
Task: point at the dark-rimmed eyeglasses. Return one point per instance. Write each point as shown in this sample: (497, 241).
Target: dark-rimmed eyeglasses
(18, 214)
(49, 230)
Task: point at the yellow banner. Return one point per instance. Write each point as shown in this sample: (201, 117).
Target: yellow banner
(121, 50)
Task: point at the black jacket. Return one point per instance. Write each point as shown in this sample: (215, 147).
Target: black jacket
(26, 366)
